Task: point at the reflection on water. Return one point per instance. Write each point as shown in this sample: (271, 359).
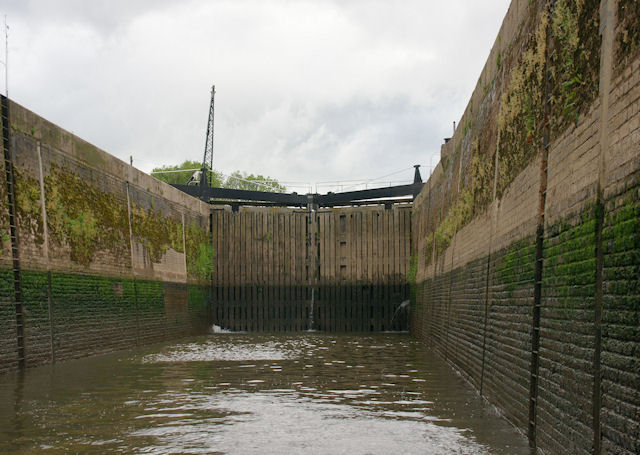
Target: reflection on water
(247, 393)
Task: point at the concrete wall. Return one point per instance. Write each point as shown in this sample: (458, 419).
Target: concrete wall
(341, 269)
(101, 250)
(528, 232)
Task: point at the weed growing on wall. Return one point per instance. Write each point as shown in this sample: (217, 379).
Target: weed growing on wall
(520, 115)
(575, 60)
(4, 211)
(628, 32)
(4, 240)
(155, 232)
(457, 217)
(558, 39)
(413, 269)
(87, 220)
(200, 253)
(84, 218)
(28, 207)
(517, 265)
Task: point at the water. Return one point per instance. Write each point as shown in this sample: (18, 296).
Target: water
(253, 394)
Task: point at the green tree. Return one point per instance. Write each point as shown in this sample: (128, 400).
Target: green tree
(183, 177)
(238, 180)
(243, 181)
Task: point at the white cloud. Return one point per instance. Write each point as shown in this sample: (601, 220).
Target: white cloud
(306, 90)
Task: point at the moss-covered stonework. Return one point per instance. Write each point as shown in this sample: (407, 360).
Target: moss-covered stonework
(155, 232)
(515, 265)
(567, 333)
(560, 356)
(82, 217)
(508, 329)
(93, 314)
(448, 320)
(28, 207)
(456, 218)
(200, 254)
(628, 32)
(574, 61)
(556, 39)
(560, 39)
(8, 342)
(71, 312)
(621, 324)
(87, 220)
(521, 112)
(5, 238)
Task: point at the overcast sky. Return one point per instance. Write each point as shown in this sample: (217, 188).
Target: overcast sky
(307, 90)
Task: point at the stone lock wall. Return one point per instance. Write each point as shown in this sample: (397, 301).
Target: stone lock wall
(527, 235)
(100, 250)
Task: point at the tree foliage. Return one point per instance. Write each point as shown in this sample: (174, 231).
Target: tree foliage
(243, 181)
(237, 180)
(183, 177)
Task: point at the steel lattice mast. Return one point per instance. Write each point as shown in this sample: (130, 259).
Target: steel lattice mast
(207, 161)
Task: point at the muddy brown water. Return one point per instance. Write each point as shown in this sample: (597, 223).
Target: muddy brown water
(254, 394)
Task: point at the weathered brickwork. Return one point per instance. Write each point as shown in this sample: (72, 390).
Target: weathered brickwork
(621, 324)
(465, 327)
(8, 347)
(545, 269)
(508, 333)
(91, 314)
(567, 335)
(112, 259)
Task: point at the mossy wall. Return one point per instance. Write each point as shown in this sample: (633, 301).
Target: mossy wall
(113, 259)
(553, 54)
(542, 178)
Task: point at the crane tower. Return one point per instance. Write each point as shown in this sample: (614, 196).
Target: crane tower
(207, 160)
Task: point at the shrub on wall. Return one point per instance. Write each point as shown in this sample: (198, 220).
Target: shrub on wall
(628, 36)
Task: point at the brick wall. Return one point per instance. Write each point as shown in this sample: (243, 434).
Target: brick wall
(528, 262)
(109, 257)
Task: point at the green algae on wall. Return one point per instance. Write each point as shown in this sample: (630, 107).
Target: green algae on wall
(559, 39)
(84, 218)
(5, 237)
(87, 220)
(155, 232)
(28, 208)
(517, 264)
(200, 254)
(574, 60)
(520, 115)
(90, 220)
(457, 217)
(628, 36)
(570, 265)
(621, 251)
